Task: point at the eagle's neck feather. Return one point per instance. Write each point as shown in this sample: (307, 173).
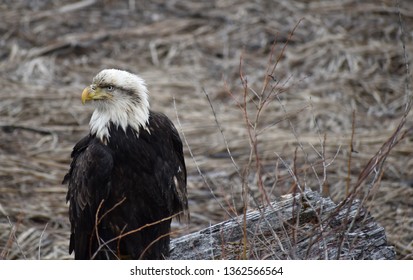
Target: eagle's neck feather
(121, 115)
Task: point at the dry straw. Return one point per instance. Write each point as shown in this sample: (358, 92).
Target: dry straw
(344, 57)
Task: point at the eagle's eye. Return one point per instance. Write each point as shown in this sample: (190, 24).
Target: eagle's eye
(110, 88)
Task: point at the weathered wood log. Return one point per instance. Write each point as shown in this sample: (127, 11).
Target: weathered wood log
(300, 226)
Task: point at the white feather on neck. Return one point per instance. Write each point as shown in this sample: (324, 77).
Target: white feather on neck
(121, 115)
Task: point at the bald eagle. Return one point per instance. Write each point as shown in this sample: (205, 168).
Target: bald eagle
(127, 179)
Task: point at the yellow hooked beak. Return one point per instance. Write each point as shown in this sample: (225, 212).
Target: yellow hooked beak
(94, 94)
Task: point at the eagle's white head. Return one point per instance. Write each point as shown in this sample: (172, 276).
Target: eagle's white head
(120, 98)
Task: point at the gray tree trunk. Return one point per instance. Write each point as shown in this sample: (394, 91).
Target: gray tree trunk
(300, 226)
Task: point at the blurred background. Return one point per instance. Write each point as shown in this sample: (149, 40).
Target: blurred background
(334, 72)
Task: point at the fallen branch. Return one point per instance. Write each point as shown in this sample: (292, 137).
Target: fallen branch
(300, 226)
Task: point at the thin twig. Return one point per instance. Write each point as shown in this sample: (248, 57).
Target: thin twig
(40, 239)
(351, 150)
(197, 165)
(222, 132)
(13, 235)
(105, 243)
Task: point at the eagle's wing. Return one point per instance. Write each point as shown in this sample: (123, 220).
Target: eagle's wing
(88, 184)
(172, 162)
(179, 180)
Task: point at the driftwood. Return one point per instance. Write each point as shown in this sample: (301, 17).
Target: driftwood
(300, 226)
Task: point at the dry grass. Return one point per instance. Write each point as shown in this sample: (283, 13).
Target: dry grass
(344, 56)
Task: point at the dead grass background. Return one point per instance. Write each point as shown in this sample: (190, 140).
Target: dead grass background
(344, 56)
